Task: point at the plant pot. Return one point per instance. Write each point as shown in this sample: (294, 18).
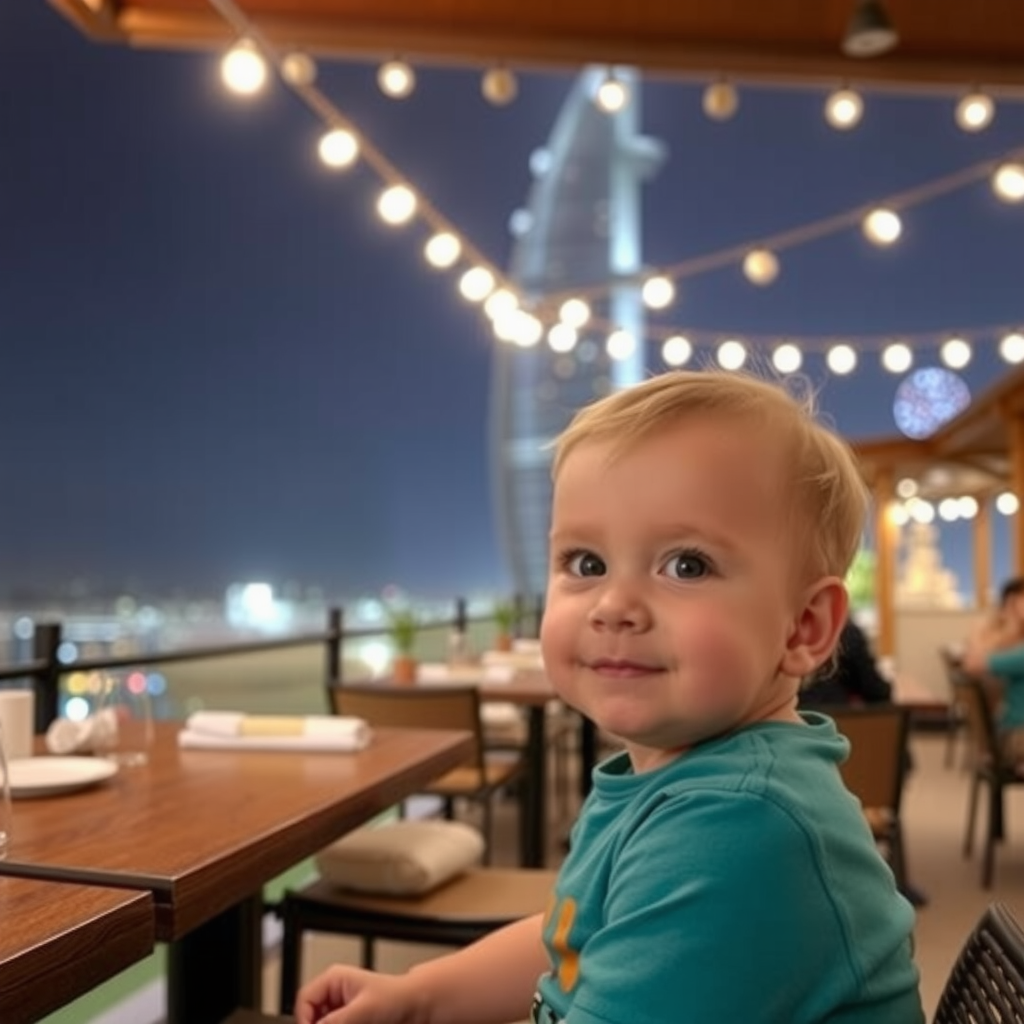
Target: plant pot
(503, 642)
(403, 670)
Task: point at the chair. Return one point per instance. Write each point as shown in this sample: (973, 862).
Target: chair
(986, 984)
(875, 771)
(988, 767)
(955, 716)
(438, 707)
(459, 912)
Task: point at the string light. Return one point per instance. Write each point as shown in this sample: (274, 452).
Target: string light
(677, 350)
(844, 109)
(883, 226)
(612, 94)
(574, 312)
(298, 69)
(499, 86)
(731, 354)
(562, 338)
(620, 344)
(897, 358)
(476, 284)
(955, 353)
(243, 69)
(720, 101)
(787, 358)
(397, 205)
(1008, 182)
(658, 292)
(442, 250)
(842, 359)
(396, 79)
(761, 267)
(1007, 503)
(500, 303)
(338, 148)
(1011, 348)
(975, 112)
(907, 488)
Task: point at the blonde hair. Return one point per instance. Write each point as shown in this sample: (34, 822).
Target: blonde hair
(828, 491)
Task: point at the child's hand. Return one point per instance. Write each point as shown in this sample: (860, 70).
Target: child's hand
(349, 995)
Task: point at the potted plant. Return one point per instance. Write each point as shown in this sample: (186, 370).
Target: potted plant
(506, 618)
(402, 627)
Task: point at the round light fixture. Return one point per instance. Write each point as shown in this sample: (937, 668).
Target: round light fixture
(720, 101)
(975, 112)
(761, 267)
(844, 109)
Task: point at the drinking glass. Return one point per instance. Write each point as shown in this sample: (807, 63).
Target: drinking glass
(5, 802)
(126, 711)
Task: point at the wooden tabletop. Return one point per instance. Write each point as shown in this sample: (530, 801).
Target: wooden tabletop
(205, 829)
(57, 941)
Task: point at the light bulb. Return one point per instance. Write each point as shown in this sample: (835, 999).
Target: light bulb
(1007, 503)
(658, 292)
(787, 358)
(1008, 182)
(677, 350)
(442, 250)
(562, 338)
(396, 79)
(844, 109)
(397, 204)
(968, 507)
(243, 69)
(500, 303)
(841, 359)
(1011, 348)
(974, 112)
(897, 358)
(955, 353)
(760, 267)
(882, 226)
(620, 345)
(731, 354)
(499, 86)
(476, 284)
(338, 148)
(720, 101)
(298, 69)
(574, 312)
(612, 95)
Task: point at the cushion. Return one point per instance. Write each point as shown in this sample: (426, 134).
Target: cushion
(403, 858)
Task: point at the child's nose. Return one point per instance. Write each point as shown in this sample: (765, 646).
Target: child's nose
(620, 608)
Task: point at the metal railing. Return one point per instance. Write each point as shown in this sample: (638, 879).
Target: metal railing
(45, 670)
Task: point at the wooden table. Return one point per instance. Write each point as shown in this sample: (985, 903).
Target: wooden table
(204, 830)
(58, 941)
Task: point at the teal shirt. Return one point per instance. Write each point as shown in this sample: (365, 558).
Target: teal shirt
(739, 884)
(1009, 666)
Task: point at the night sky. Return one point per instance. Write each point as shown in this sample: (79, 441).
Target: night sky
(220, 365)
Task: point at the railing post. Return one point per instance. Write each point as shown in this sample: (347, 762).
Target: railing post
(45, 643)
(460, 623)
(333, 661)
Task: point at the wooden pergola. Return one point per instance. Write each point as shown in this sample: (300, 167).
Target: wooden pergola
(979, 453)
(947, 44)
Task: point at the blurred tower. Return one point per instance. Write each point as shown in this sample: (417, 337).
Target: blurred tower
(581, 226)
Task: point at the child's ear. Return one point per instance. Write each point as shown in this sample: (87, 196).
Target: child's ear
(816, 630)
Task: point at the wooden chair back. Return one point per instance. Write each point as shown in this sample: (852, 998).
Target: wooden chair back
(416, 707)
(973, 698)
(875, 770)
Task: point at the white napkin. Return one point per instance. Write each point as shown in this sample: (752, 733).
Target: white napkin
(232, 730)
(65, 736)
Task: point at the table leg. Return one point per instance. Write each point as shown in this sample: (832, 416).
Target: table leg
(217, 967)
(532, 831)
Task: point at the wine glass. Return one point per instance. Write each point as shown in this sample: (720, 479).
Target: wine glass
(124, 716)
(5, 802)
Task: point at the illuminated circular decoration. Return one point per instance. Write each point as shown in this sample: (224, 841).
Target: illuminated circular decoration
(927, 399)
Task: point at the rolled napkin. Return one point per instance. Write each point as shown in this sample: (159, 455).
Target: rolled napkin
(65, 736)
(234, 730)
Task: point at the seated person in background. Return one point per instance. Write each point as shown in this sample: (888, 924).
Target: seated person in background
(996, 648)
(852, 679)
(719, 873)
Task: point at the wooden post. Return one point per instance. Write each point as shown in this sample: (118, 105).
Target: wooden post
(886, 540)
(1015, 431)
(981, 535)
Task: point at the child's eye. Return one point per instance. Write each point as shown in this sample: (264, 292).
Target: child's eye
(687, 565)
(583, 563)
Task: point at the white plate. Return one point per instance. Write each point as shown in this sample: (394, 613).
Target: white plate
(50, 776)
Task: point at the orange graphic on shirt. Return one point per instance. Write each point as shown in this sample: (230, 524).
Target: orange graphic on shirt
(567, 965)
